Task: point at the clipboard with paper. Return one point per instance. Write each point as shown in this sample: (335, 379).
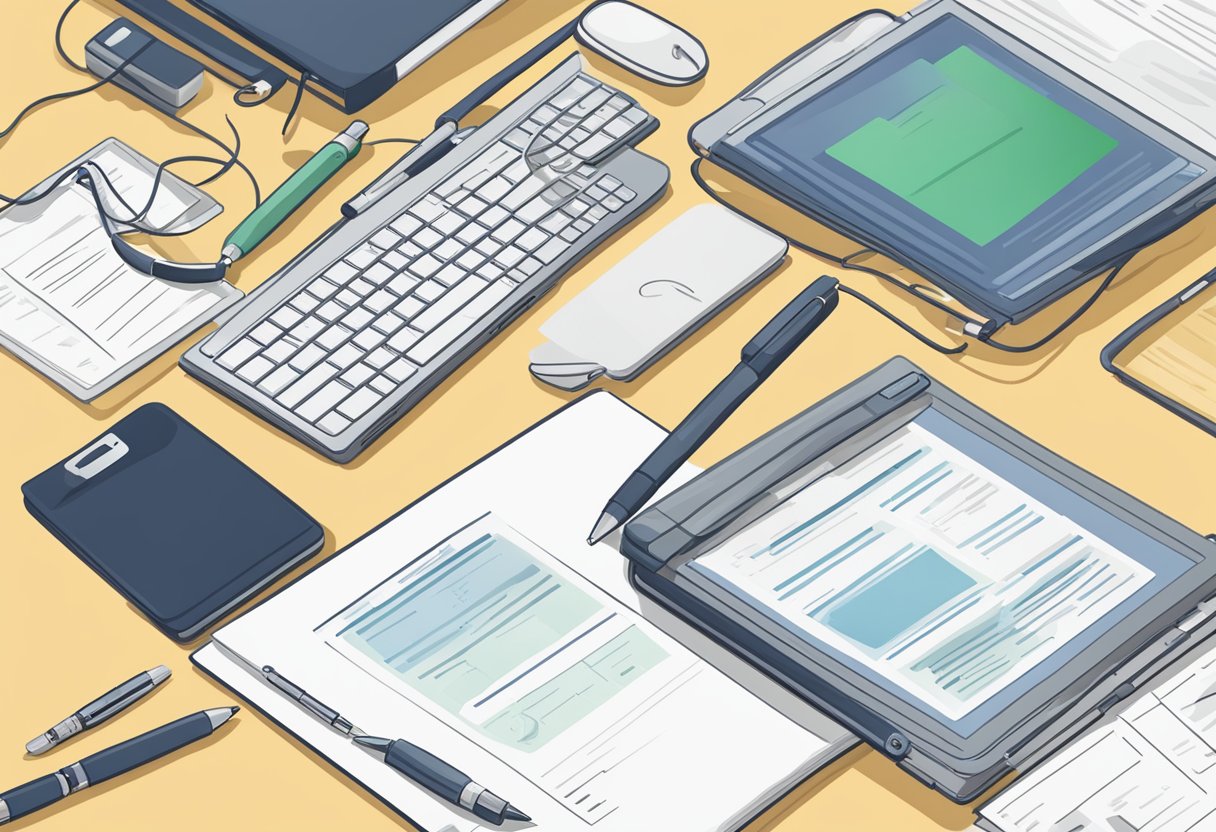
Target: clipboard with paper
(960, 597)
(69, 306)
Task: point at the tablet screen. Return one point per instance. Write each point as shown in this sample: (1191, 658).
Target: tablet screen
(942, 568)
(960, 154)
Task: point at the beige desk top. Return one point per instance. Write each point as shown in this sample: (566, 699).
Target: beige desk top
(65, 636)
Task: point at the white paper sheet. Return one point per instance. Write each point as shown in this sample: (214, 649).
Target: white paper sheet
(722, 754)
(1152, 769)
(69, 303)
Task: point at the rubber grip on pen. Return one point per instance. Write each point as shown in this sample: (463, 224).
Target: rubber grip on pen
(426, 769)
(33, 796)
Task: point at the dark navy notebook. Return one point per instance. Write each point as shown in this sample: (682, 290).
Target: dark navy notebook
(351, 47)
(183, 529)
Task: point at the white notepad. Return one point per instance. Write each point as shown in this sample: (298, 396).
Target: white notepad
(479, 625)
(69, 306)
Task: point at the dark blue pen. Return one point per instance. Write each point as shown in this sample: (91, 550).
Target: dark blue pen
(760, 357)
(113, 761)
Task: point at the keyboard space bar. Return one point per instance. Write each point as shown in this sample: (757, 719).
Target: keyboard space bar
(426, 348)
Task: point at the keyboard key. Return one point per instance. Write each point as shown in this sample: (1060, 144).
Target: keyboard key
(626, 194)
(348, 298)
(340, 272)
(425, 266)
(380, 358)
(596, 213)
(429, 290)
(395, 261)
(363, 256)
(494, 216)
(331, 311)
(256, 367)
(305, 303)
(380, 300)
(321, 288)
(443, 335)
(359, 403)
(428, 238)
(333, 423)
(306, 358)
(448, 223)
(455, 298)
(451, 274)
(322, 401)
(551, 250)
(490, 271)
(388, 323)
(529, 267)
(382, 385)
(400, 370)
(471, 206)
(406, 225)
(509, 256)
(369, 339)
(402, 284)
(307, 329)
(613, 203)
(555, 222)
(279, 351)
(508, 231)
(274, 383)
(488, 247)
(330, 338)
(358, 375)
(306, 385)
(570, 234)
(385, 239)
(448, 249)
(411, 250)
(346, 355)
(609, 182)
(409, 307)
(523, 192)
(596, 192)
(362, 287)
(532, 239)
(582, 226)
(471, 233)
(286, 317)
(239, 353)
(380, 273)
(495, 189)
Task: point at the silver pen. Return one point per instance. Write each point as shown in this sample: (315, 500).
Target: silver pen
(318, 709)
(100, 709)
(417, 157)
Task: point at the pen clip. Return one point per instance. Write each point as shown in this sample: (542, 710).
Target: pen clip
(97, 457)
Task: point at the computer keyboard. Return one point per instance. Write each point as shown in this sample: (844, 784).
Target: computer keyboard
(337, 353)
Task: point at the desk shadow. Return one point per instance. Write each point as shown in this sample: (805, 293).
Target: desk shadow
(92, 792)
(1165, 258)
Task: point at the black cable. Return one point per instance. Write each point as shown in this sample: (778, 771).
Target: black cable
(59, 39)
(295, 102)
(844, 263)
(391, 141)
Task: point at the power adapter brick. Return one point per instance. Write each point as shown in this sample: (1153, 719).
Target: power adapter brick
(159, 74)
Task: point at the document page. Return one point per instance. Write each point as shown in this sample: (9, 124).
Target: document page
(922, 565)
(1153, 769)
(67, 298)
(1154, 55)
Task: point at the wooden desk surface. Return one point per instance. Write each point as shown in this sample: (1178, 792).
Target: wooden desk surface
(66, 636)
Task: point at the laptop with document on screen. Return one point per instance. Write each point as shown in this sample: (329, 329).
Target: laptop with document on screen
(959, 597)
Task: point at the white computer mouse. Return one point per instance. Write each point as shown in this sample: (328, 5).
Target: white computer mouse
(643, 42)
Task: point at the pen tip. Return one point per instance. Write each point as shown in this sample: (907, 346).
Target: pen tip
(235, 709)
(606, 524)
(514, 814)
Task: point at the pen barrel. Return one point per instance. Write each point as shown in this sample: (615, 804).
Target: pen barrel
(145, 748)
(427, 770)
(105, 706)
(34, 795)
(288, 197)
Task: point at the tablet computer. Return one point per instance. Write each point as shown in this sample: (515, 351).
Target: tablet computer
(957, 595)
(963, 153)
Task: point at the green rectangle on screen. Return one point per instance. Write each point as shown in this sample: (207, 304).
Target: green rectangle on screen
(980, 152)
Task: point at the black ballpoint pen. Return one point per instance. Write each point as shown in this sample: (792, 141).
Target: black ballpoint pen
(100, 709)
(307, 702)
(113, 761)
(432, 773)
(760, 357)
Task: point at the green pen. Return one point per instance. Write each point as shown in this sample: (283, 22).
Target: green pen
(294, 192)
